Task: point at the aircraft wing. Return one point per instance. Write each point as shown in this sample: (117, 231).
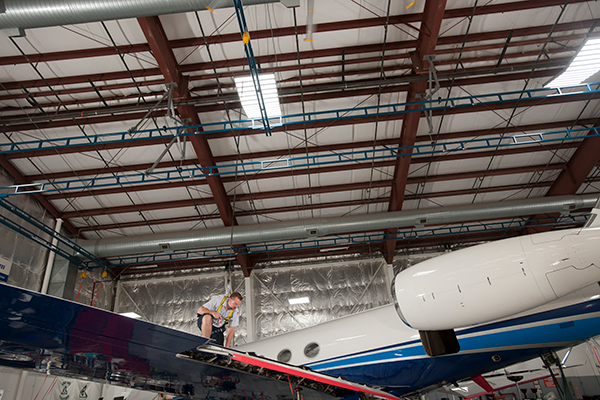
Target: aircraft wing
(49, 334)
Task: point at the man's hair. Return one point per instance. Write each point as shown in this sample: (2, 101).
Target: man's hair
(237, 295)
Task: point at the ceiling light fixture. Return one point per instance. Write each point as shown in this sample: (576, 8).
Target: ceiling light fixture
(299, 300)
(333, 249)
(249, 99)
(585, 64)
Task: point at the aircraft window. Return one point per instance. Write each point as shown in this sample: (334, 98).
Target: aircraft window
(311, 350)
(284, 356)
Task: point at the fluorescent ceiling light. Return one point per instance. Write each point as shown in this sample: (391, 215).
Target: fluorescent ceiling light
(585, 64)
(299, 300)
(333, 249)
(249, 99)
(130, 315)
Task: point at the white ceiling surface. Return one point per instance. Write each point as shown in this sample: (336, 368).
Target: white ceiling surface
(181, 26)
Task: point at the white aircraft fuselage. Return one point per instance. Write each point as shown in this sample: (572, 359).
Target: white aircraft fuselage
(508, 301)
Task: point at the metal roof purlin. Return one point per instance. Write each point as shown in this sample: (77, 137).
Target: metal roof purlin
(285, 31)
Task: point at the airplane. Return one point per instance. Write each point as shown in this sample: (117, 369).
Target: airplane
(454, 317)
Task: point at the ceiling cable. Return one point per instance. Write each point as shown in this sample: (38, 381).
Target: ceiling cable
(479, 182)
(69, 203)
(310, 194)
(532, 181)
(236, 136)
(141, 96)
(421, 187)
(84, 133)
(381, 79)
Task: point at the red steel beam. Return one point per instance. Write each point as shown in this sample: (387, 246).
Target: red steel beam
(304, 171)
(157, 40)
(392, 71)
(269, 154)
(348, 203)
(119, 112)
(311, 55)
(249, 131)
(426, 43)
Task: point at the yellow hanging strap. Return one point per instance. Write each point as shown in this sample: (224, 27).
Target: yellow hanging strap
(221, 306)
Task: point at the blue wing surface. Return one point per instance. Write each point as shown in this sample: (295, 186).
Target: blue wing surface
(61, 337)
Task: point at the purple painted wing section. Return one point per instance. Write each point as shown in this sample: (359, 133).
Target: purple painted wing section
(45, 333)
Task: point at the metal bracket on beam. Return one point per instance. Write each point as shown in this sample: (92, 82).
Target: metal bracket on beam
(13, 32)
(430, 91)
(177, 133)
(168, 94)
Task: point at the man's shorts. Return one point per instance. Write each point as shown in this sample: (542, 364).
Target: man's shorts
(216, 334)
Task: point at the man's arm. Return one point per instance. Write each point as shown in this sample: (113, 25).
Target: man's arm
(203, 310)
(230, 332)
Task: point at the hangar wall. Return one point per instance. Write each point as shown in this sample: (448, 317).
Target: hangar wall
(333, 289)
(28, 258)
(173, 301)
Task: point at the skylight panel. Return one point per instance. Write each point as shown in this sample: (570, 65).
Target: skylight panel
(249, 98)
(585, 64)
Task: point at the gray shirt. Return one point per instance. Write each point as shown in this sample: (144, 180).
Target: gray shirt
(213, 305)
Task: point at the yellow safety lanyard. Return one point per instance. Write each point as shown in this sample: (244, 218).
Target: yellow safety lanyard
(230, 312)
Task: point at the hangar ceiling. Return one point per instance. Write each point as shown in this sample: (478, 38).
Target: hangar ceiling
(387, 106)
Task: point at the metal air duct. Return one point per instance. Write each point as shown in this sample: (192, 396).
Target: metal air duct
(312, 228)
(26, 14)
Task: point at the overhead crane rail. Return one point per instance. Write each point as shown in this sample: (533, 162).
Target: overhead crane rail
(366, 155)
(292, 120)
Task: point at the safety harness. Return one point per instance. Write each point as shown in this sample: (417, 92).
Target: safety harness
(230, 312)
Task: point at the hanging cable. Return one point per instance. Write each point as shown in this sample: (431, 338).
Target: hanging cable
(477, 187)
(381, 79)
(419, 194)
(303, 113)
(236, 136)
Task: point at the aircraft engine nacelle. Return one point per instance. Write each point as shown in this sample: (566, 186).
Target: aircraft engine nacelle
(497, 279)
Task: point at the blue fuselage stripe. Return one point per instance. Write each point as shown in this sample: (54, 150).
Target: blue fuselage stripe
(537, 330)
